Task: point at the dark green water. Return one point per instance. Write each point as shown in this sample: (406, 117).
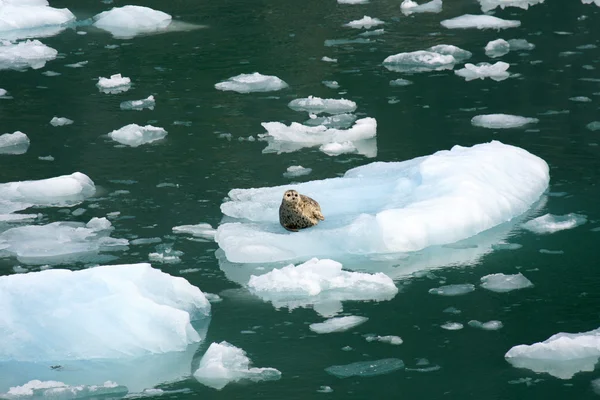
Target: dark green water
(286, 39)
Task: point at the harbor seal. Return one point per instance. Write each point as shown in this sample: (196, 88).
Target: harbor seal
(298, 211)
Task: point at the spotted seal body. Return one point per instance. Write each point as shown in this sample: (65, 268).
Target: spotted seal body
(298, 211)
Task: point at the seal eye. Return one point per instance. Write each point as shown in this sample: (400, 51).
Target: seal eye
(288, 195)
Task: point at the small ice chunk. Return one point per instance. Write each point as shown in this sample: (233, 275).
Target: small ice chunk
(593, 126)
(520, 44)
(452, 310)
(400, 82)
(452, 326)
(134, 135)
(394, 340)
(366, 368)
(328, 59)
(317, 105)
(51, 73)
(129, 21)
(3, 93)
(488, 5)
(374, 32)
(497, 48)
(211, 297)
(224, 363)
(339, 324)
(328, 389)
(165, 254)
(365, 22)
(505, 283)
(409, 7)
(479, 21)
(502, 121)
(255, 82)
(550, 223)
(14, 143)
(37, 389)
(60, 121)
(139, 105)
(295, 171)
(459, 54)
(78, 212)
(487, 326)
(336, 149)
(79, 64)
(497, 71)
(453, 290)
(29, 54)
(419, 61)
(201, 230)
(352, 1)
(580, 99)
(331, 84)
(46, 158)
(115, 84)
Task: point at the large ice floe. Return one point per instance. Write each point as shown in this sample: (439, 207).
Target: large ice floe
(20, 19)
(55, 390)
(488, 5)
(480, 22)
(255, 82)
(14, 143)
(223, 363)
(29, 54)
(561, 355)
(502, 121)
(497, 71)
(129, 21)
(435, 58)
(386, 208)
(130, 324)
(134, 135)
(409, 7)
(320, 284)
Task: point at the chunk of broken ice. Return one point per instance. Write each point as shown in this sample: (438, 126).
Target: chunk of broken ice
(201, 230)
(115, 84)
(505, 283)
(366, 368)
(450, 50)
(550, 223)
(336, 149)
(60, 121)
(255, 82)
(134, 135)
(479, 21)
(14, 143)
(295, 171)
(339, 324)
(394, 340)
(419, 61)
(29, 54)
(224, 363)
(129, 21)
(352, 1)
(488, 5)
(497, 71)
(580, 99)
(37, 389)
(453, 290)
(520, 44)
(593, 126)
(20, 19)
(497, 48)
(409, 7)
(317, 105)
(400, 82)
(374, 32)
(597, 2)
(452, 326)
(139, 105)
(502, 121)
(365, 22)
(331, 84)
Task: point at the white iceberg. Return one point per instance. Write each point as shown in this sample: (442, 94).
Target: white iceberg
(14, 143)
(134, 135)
(201, 230)
(488, 5)
(224, 363)
(129, 21)
(497, 48)
(115, 84)
(479, 21)
(21, 19)
(453, 290)
(366, 368)
(502, 121)
(365, 22)
(435, 58)
(139, 105)
(497, 71)
(339, 324)
(55, 390)
(29, 54)
(295, 171)
(561, 355)
(320, 283)
(317, 105)
(550, 223)
(247, 83)
(409, 7)
(60, 121)
(484, 186)
(505, 283)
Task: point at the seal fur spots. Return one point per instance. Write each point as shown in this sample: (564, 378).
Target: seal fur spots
(298, 211)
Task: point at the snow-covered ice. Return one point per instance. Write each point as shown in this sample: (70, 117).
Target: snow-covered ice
(453, 290)
(223, 363)
(435, 58)
(201, 230)
(409, 7)
(484, 186)
(366, 368)
(29, 54)
(497, 71)
(486, 326)
(134, 135)
(338, 324)
(550, 223)
(502, 121)
(365, 22)
(37, 389)
(561, 355)
(479, 21)
(295, 171)
(255, 82)
(391, 339)
(60, 121)
(20, 19)
(14, 143)
(317, 105)
(320, 283)
(497, 48)
(488, 5)
(505, 283)
(129, 21)
(139, 105)
(115, 84)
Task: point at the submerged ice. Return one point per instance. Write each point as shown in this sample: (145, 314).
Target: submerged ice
(255, 82)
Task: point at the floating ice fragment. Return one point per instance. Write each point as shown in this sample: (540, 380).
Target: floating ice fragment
(51, 73)
(505, 283)
(139, 105)
(593, 126)
(336, 149)
(409, 7)
(326, 389)
(331, 84)
(550, 223)
(497, 48)
(400, 82)
(134, 135)
(339, 324)
(46, 158)
(366, 368)
(23, 55)
(165, 255)
(453, 290)
(365, 22)
(487, 326)
(419, 61)
(255, 82)
(479, 21)
(317, 105)
(488, 5)
(497, 71)
(129, 21)
(580, 99)
(60, 121)
(502, 121)
(352, 1)
(139, 241)
(394, 340)
(14, 143)
(37, 389)
(342, 42)
(520, 44)
(374, 32)
(20, 19)
(327, 59)
(449, 50)
(452, 326)
(80, 64)
(295, 171)
(224, 363)
(115, 84)
(201, 230)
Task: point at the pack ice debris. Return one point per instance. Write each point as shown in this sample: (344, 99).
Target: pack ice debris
(505, 283)
(394, 340)
(400, 82)
(165, 254)
(453, 290)
(134, 135)
(488, 5)
(596, 2)
(365, 22)
(502, 121)
(129, 21)
(580, 99)
(435, 58)
(29, 54)
(593, 126)
(486, 326)
(562, 355)
(497, 71)
(550, 223)
(223, 363)
(409, 7)
(139, 105)
(60, 121)
(480, 22)
(366, 368)
(14, 143)
(338, 324)
(452, 326)
(317, 105)
(484, 186)
(331, 84)
(115, 84)
(374, 32)
(336, 149)
(520, 44)
(21, 19)
(497, 48)
(339, 121)
(352, 1)
(328, 59)
(295, 171)
(255, 82)
(36, 389)
(201, 230)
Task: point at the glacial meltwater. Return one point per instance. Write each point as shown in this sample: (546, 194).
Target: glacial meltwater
(453, 147)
